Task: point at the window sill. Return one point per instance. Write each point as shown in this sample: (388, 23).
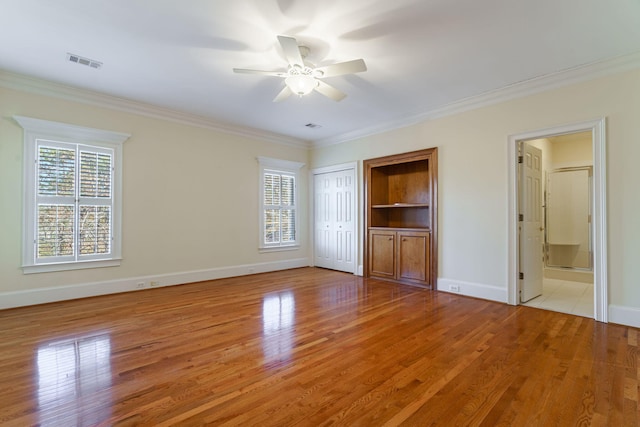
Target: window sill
(66, 266)
(278, 248)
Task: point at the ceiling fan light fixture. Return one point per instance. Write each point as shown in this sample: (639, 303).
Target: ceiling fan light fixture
(302, 77)
(301, 84)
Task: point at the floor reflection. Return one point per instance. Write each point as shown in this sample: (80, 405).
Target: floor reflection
(348, 293)
(69, 370)
(278, 319)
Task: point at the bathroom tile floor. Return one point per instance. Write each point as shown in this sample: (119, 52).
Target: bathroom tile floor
(566, 297)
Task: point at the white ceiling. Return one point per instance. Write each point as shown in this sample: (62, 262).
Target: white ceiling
(421, 54)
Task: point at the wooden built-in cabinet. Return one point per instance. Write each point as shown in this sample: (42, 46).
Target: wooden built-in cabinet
(401, 198)
(399, 255)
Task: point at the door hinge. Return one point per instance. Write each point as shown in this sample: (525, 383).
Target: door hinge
(520, 159)
(521, 276)
(520, 217)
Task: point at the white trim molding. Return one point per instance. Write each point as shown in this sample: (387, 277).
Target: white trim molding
(517, 90)
(629, 316)
(83, 290)
(599, 208)
(56, 90)
(36, 130)
(470, 289)
(282, 168)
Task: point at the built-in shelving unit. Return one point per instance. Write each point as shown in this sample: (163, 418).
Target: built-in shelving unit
(401, 198)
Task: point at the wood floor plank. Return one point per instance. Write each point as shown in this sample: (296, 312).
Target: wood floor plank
(311, 347)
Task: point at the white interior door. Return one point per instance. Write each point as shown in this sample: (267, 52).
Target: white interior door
(334, 220)
(322, 221)
(531, 250)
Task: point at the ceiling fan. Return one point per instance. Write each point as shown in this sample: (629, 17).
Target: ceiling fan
(301, 77)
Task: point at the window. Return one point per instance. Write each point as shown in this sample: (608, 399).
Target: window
(72, 196)
(278, 201)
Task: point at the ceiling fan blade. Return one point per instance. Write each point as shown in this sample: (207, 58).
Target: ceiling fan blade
(284, 94)
(291, 50)
(348, 67)
(262, 72)
(329, 91)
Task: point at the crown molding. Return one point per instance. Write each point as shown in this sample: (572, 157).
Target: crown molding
(38, 86)
(517, 90)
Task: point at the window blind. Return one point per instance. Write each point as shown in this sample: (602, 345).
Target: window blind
(279, 208)
(74, 201)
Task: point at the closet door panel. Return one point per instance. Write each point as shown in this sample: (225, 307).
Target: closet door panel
(334, 220)
(344, 222)
(323, 252)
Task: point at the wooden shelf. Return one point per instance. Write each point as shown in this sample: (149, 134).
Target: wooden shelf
(401, 228)
(565, 244)
(401, 205)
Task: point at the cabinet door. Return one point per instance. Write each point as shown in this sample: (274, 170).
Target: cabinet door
(413, 256)
(382, 251)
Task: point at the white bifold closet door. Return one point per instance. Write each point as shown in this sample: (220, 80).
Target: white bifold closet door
(334, 220)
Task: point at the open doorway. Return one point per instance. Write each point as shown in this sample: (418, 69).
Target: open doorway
(545, 249)
(555, 180)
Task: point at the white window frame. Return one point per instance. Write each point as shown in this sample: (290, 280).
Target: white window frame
(287, 167)
(43, 130)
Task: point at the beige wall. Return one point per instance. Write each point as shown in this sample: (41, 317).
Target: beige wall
(571, 150)
(210, 224)
(473, 176)
(190, 196)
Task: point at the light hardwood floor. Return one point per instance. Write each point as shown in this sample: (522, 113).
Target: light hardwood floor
(311, 347)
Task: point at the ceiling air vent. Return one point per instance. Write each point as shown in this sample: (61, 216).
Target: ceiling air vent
(84, 61)
(312, 125)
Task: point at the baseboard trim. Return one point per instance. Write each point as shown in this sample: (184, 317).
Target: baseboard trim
(622, 315)
(476, 290)
(45, 295)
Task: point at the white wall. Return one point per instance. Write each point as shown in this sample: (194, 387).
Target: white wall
(473, 179)
(190, 203)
